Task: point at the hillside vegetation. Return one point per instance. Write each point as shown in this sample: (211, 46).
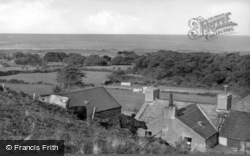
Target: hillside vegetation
(194, 70)
(21, 118)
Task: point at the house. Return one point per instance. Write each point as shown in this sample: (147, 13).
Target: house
(99, 97)
(171, 123)
(235, 132)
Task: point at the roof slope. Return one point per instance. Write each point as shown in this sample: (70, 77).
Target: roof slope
(193, 117)
(236, 126)
(243, 105)
(247, 99)
(98, 97)
(151, 111)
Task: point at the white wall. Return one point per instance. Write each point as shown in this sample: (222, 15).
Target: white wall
(223, 141)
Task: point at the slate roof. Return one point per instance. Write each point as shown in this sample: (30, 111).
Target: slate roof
(243, 105)
(236, 126)
(247, 99)
(151, 111)
(193, 117)
(98, 97)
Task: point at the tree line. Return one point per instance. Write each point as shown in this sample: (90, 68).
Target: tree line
(122, 58)
(203, 69)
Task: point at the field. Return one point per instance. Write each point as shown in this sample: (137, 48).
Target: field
(122, 67)
(128, 99)
(131, 101)
(91, 77)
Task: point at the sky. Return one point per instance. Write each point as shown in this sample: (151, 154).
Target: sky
(116, 16)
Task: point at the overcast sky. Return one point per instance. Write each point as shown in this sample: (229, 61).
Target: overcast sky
(116, 16)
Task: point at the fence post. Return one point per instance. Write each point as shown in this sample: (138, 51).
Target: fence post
(93, 115)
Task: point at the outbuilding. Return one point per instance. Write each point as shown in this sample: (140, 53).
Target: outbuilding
(235, 131)
(98, 97)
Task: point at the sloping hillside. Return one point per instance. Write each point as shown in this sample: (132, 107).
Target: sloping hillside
(21, 118)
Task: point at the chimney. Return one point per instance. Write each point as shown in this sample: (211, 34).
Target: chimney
(224, 102)
(171, 102)
(151, 94)
(225, 89)
(170, 112)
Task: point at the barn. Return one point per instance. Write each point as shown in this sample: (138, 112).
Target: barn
(99, 97)
(235, 132)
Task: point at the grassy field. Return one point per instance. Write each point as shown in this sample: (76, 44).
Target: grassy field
(122, 67)
(91, 77)
(131, 101)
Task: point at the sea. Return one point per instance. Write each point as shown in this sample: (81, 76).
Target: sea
(142, 43)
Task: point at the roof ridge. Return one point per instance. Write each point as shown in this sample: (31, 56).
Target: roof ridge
(142, 109)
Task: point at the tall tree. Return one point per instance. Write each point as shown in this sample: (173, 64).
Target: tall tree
(70, 76)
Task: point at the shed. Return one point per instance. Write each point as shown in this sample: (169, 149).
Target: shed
(99, 97)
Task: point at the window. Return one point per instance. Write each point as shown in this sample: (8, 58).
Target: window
(148, 133)
(188, 141)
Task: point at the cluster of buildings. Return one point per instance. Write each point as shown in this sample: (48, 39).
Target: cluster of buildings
(201, 126)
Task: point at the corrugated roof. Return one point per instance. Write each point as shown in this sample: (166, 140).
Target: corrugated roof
(193, 117)
(98, 97)
(236, 126)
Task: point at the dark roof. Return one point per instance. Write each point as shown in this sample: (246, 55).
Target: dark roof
(236, 126)
(98, 97)
(193, 117)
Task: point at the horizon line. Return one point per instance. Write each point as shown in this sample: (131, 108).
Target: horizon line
(98, 34)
